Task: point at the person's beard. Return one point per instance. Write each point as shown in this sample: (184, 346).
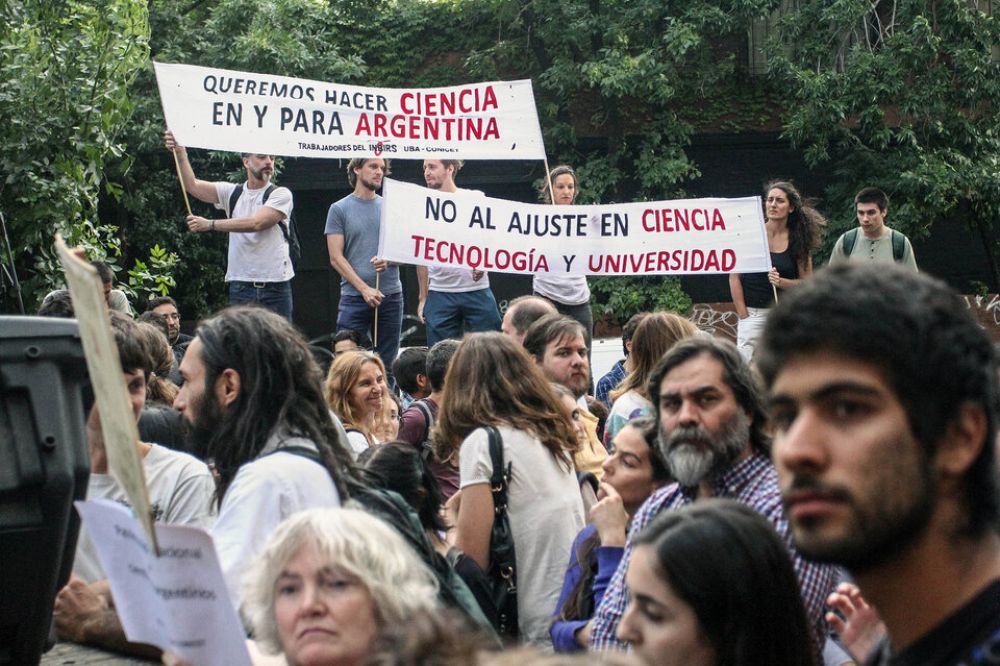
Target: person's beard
(201, 430)
(371, 185)
(693, 454)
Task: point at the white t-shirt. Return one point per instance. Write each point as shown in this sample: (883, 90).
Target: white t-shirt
(546, 514)
(263, 493)
(628, 406)
(455, 280)
(180, 491)
(257, 256)
(565, 289)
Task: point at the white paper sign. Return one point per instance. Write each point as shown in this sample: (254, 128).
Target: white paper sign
(177, 601)
(224, 109)
(468, 230)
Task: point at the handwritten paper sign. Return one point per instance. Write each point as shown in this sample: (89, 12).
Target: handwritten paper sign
(468, 230)
(177, 601)
(223, 109)
(107, 380)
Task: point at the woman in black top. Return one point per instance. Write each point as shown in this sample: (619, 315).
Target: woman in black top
(793, 234)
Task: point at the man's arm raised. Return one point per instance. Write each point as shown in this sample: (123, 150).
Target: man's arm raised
(202, 190)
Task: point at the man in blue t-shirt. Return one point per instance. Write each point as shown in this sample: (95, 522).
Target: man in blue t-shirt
(352, 228)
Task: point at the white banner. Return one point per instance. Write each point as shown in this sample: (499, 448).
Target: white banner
(469, 230)
(222, 109)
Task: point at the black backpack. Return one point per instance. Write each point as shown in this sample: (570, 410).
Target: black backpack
(288, 231)
(898, 243)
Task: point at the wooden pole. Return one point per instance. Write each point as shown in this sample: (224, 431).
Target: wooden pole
(177, 163)
(548, 181)
(375, 341)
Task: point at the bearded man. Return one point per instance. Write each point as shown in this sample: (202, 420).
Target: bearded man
(712, 426)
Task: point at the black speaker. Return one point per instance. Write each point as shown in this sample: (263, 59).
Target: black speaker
(44, 467)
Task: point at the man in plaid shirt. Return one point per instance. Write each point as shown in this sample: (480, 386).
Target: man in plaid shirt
(712, 435)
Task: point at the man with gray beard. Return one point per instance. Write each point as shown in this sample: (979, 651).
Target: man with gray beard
(712, 435)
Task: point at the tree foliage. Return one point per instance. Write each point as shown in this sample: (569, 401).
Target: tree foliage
(903, 95)
(64, 101)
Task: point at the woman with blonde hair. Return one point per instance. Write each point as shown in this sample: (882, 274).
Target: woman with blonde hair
(654, 335)
(492, 382)
(355, 391)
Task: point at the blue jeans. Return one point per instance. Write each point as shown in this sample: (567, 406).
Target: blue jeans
(450, 315)
(275, 296)
(356, 315)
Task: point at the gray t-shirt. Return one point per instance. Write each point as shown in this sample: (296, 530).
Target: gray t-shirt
(357, 220)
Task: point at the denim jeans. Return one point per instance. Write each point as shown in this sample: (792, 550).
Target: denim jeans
(275, 296)
(451, 314)
(356, 315)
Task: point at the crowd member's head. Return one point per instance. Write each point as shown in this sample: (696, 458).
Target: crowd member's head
(710, 409)
(259, 167)
(655, 334)
(58, 303)
(368, 172)
(166, 306)
(573, 411)
(159, 388)
(438, 360)
(441, 174)
(134, 356)
(805, 224)
(871, 206)
(355, 389)
(564, 185)
(330, 582)
(522, 312)
(712, 584)
(410, 371)
(885, 417)
(346, 340)
(387, 421)
(559, 346)
(492, 381)
(628, 330)
(155, 319)
(107, 279)
(400, 467)
(247, 373)
(636, 466)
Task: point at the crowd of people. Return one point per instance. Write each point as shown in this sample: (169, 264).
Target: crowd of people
(824, 492)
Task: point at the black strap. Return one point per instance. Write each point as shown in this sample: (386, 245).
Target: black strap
(850, 238)
(238, 192)
(500, 476)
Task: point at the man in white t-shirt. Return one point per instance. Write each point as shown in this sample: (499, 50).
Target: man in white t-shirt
(259, 269)
(453, 301)
(180, 492)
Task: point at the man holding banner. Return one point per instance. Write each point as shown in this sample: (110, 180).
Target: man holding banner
(259, 268)
(453, 301)
(352, 227)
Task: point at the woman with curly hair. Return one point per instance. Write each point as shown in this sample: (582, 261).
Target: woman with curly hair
(794, 229)
(493, 382)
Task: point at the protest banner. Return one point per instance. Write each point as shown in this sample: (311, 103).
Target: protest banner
(106, 378)
(468, 230)
(224, 109)
(177, 601)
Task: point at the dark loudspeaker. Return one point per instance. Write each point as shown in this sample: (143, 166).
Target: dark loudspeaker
(44, 466)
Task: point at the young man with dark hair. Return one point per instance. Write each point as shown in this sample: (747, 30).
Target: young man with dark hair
(617, 373)
(180, 492)
(713, 427)
(885, 415)
(453, 301)
(522, 312)
(418, 418)
(352, 227)
(410, 370)
(558, 344)
(259, 268)
(877, 242)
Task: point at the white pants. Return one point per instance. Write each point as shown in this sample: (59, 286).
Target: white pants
(749, 329)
